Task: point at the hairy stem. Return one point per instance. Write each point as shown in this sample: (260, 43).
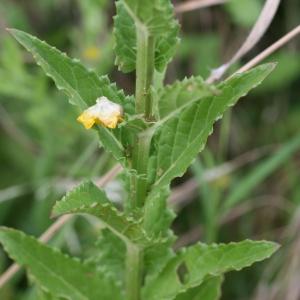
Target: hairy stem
(140, 154)
(139, 183)
(134, 269)
(144, 81)
(144, 72)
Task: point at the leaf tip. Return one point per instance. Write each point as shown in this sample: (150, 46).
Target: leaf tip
(13, 31)
(270, 66)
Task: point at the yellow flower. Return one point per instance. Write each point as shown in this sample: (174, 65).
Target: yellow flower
(104, 112)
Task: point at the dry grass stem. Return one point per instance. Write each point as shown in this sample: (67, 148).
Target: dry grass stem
(258, 30)
(196, 4)
(274, 47)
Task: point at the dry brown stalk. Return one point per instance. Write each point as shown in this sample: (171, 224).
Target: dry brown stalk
(274, 47)
(258, 30)
(196, 4)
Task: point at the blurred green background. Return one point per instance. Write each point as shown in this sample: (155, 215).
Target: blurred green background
(246, 184)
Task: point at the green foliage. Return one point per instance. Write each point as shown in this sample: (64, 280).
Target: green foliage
(87, 198)
(82, 86)
(109, 257)
(179, 139)
(59, 274)
(286, 72)
(153, 18)
(210, 289)
(174, 98)
(157, 216)
(162, 131)
(202, 260)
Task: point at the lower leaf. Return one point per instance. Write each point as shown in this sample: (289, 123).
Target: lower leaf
(55, 272)
(210, 289)
(192, 265)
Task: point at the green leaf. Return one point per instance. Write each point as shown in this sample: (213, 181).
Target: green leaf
(39, 294)
(88, 198)
(199, 261)
(109, 257)
(55, 272)
(157, 216)
(181, 138)
(210, 289)
(125, 39)
(173, 98)
(82, 86)
(156, 258)
(155, 18)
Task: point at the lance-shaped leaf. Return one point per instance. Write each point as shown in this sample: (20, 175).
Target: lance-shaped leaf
(55, 272)
(82, 86)
(210, 289)
(88, 198)
(175, 97)
(108, 257)
(157, 215)
(181, 138)
(155, 18)
(192, 266)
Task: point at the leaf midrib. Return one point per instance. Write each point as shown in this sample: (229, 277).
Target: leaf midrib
(49, 270)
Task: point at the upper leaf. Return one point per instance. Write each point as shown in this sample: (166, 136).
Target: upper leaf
(200, 261)
(156, 18)
(210, 289)
(108, 257)
(173, 98)
(57, 273)
(157, 215)
(178, 140)
(88, 198)
(82, 86)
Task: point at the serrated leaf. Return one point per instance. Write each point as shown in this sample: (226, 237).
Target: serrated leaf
(82, 86)
(157, 216)
(55, 272)
(181, 138)
(88, 198)
(125, 39)
(157, 19)
(40, 294)
(200, 261)
(109, 257)
(156, 258)
(181, 93)
(210, 289)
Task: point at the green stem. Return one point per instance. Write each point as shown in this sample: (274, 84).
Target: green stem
(144, 81)
(134, 269)
(140, 164)
(140, 154)
(144, 72)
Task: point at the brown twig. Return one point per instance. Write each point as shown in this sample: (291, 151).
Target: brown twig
(258, 30)
(196, 4)
(57, 225)
(274, 47)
